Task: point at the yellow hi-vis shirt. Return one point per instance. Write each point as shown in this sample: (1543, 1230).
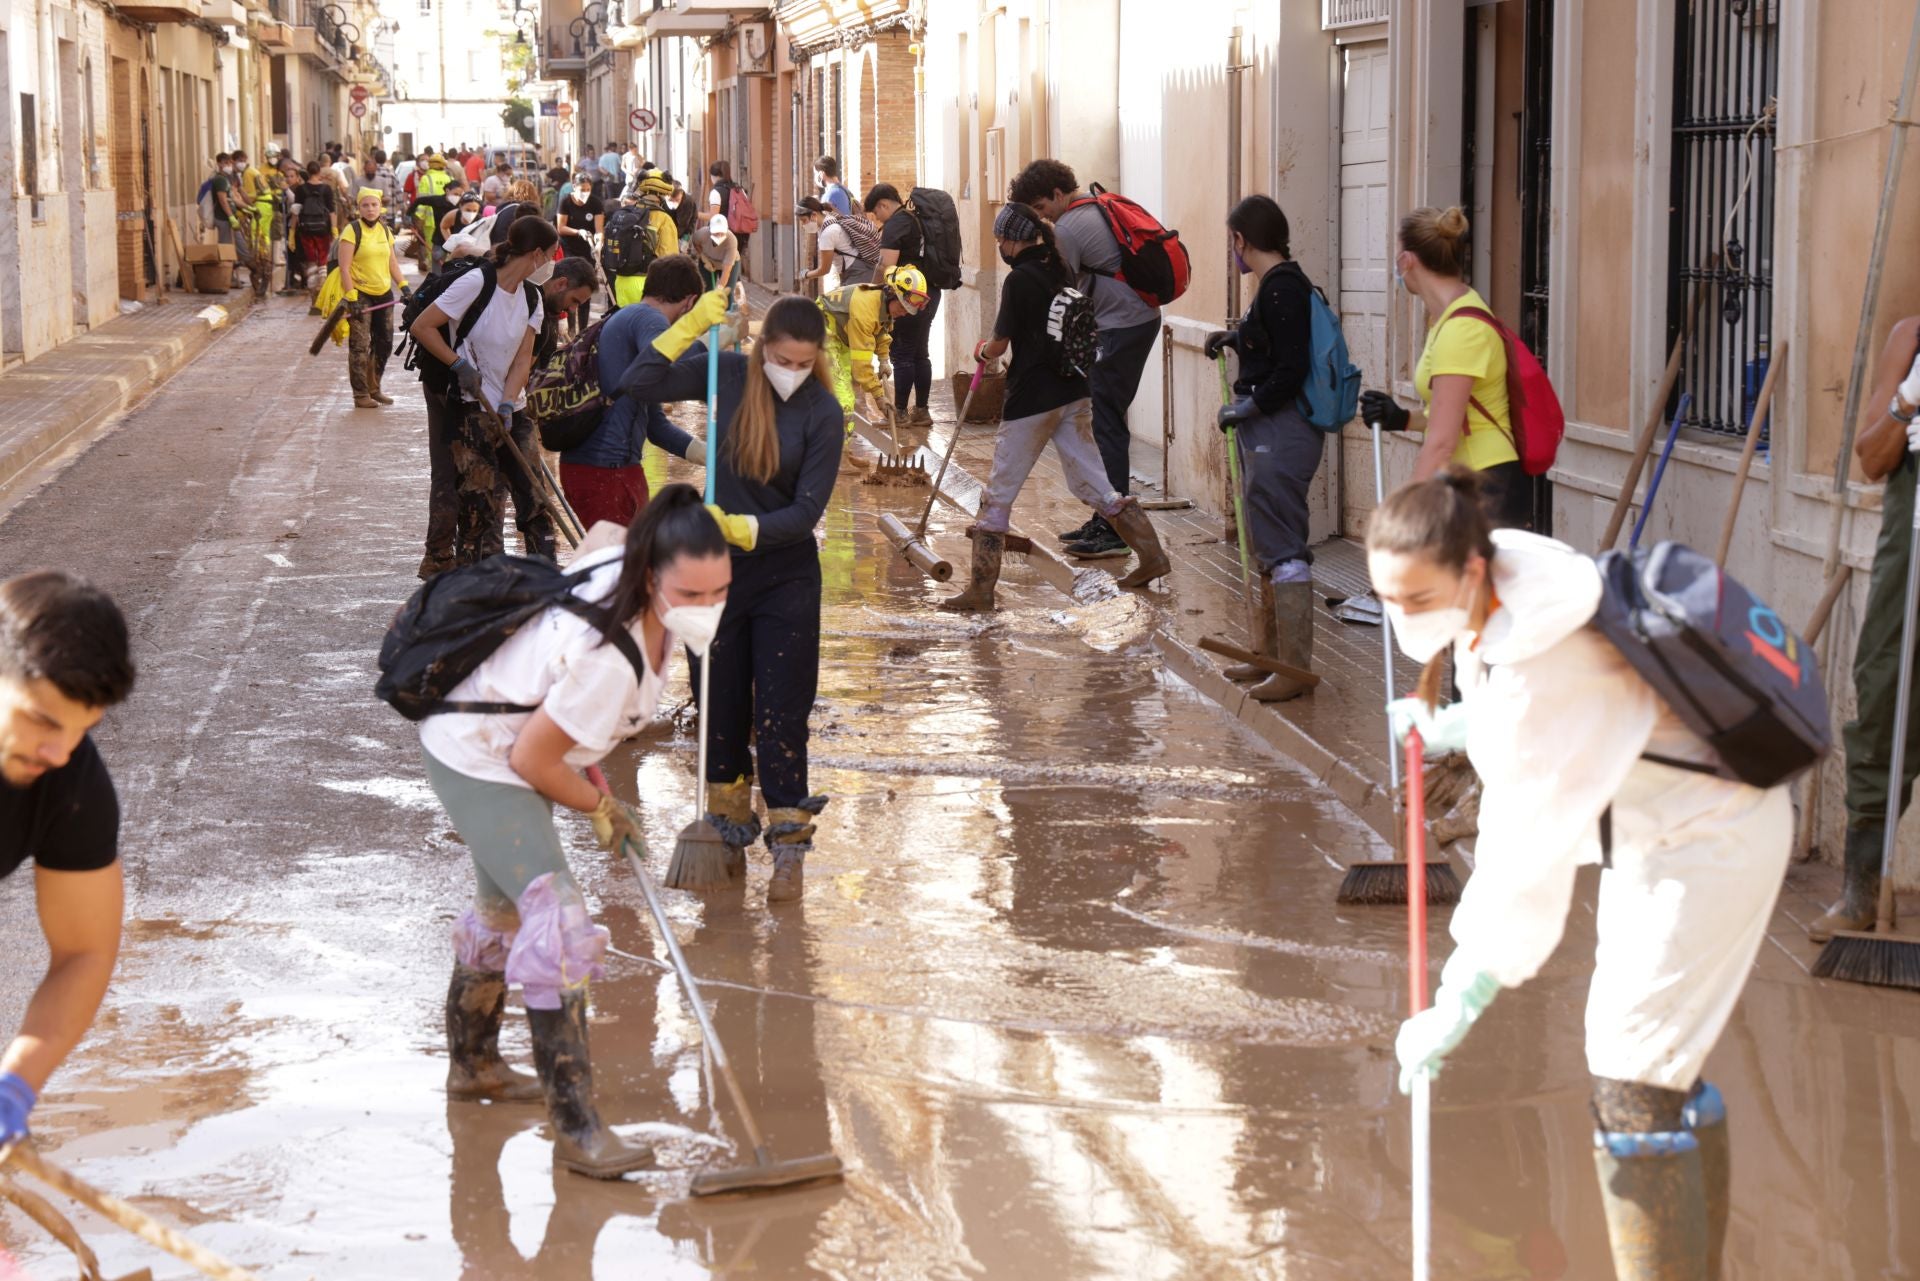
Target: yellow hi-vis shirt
(857, 316)
(372, 257)
(1473, 349)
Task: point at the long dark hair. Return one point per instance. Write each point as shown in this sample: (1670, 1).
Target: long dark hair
(1444, 519)
(753, 437)
(1262, 224)
(523, 237)
(676, 523)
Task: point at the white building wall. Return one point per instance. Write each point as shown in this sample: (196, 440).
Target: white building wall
(450, 80)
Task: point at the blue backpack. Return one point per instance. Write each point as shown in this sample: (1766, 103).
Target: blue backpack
(1332, 395)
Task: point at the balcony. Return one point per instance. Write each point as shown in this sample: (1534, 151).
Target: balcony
(1335, 14)
(170, 11)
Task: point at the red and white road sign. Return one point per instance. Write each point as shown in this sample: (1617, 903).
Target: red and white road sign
(642, 120)
(356, 109)
(359, 93)
(566, 110)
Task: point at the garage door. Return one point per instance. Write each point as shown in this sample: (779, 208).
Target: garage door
(1365, 273)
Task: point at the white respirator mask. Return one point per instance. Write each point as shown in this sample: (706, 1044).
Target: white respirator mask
(541, 274)
(787, 381)
(695, 625)
(1425, 634)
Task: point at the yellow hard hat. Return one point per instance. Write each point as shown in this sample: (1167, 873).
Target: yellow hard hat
(908, 284)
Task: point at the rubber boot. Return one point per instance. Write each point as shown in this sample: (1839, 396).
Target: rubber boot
(1656, 1203)
(730, 810)
(789, 840)
(1263, 638)
(1860, 893)
(989, 549)
(476, 1001)
(1137, 532)
(1293, 641)
(581, 1140)
(373, 386)
(1706, 1118)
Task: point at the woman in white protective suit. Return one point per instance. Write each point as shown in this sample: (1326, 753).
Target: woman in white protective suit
(1557, 725)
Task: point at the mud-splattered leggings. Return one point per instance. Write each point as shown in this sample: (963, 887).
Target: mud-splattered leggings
(766, 671)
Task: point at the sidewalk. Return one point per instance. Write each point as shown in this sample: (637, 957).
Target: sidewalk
(58, 403)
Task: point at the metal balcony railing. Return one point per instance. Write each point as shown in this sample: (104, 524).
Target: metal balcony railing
(1351, 13)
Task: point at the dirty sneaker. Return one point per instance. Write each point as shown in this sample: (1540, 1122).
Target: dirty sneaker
(1101, 544)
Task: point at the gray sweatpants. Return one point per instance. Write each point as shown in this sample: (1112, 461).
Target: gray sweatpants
(1017, 448)
(1279, 453)
(509, 832)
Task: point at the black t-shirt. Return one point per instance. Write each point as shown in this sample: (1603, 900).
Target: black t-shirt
(902, 232)
(1032, 385)
(580, 217)
(67, 820)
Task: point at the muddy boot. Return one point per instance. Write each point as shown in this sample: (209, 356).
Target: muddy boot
(1293, 643)
(475, 1002)
(730, 810)
(1706, 1119)
(1263, 638)
(1656, 1203)
(1860, 893)
(1136, 531)
(989, 549)
(581, 1140)
(790, 840)
(373, 389)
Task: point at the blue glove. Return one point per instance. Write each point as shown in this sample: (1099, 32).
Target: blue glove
(1429, 1036)
(467, 376)
(505, 410)
(16, 1100)
(1442, 730)
(1238, 412)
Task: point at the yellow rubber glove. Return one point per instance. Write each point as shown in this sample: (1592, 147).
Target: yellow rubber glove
(613, 823)
(742, 531)
(711, 310)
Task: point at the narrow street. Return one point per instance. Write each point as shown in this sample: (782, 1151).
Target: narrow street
(1068, 991)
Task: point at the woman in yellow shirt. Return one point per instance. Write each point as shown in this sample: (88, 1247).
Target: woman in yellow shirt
(1462, 374)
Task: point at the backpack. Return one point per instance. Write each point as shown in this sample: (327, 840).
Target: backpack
(1532, 405)
(316, 218)
(1153, 262)
(939, 224)
(457, 619)
(629, 244)
(436, 375)
(1331, 396)
(1721, 658)
(865, 239)
(741, 215)
(1073, 339)
(564, 396)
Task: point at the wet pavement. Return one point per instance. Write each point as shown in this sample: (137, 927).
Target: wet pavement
(1067, 992)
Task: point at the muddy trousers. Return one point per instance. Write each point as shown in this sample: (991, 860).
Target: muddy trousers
(766, 672)
(1876, 665)
(1017, 448)
(1279, 454)
(912, 361)
(481, 464)
(369, 343)
(443, 483)
(1114, 383)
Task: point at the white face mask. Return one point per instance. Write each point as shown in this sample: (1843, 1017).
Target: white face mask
(541, 274)
(1425, 634)
(696, 625)
(787, 381)
(580, 197)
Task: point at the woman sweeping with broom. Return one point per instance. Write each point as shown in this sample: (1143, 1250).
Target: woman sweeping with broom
(558, 695)
(778, 433)
(1563, 731)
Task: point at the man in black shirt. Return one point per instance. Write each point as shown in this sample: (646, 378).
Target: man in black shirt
(901, 242)
(63, 661)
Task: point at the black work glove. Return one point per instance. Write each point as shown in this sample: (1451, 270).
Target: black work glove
(1379, 409)
(1219, 340)
(1237, 412)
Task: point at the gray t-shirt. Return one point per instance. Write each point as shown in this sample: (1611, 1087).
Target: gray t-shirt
(1087, 246)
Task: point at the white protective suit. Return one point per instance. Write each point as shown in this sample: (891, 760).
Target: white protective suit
(1556, 724)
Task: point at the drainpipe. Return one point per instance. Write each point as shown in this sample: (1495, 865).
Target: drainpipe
(1235, 69)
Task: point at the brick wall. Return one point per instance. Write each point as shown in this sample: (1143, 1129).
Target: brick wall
(891, 119)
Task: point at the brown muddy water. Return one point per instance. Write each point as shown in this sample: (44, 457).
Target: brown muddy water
(1068, 991)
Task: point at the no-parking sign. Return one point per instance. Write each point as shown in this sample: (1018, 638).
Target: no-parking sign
(642, 120)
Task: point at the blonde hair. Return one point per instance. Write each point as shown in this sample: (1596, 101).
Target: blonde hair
(1437, 237)
(522, 192)
(753, 437)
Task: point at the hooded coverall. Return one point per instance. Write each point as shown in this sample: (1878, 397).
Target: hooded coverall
(859, 328)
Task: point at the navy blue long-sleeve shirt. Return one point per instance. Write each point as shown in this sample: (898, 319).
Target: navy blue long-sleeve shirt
(629, 422)
(810, 425)
(1276, 339)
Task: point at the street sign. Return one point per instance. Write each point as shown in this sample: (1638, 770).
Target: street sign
(356, 109)
(549, 108)
(360, 93)
(642, 120)
(566, 110)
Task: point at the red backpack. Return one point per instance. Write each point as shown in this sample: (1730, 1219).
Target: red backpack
(741, 215)
(1153, 262)
(1532, 405)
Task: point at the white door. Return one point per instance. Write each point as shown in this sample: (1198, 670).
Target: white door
(1365, 272)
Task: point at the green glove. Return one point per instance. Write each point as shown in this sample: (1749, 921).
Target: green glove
(1442, 730)
(1429, 1036)
(742, 531)
(711, 310)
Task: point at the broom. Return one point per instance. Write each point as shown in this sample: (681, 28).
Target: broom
(1421, 1134)
(1879, 956)
(701, 856)
(1384, 884)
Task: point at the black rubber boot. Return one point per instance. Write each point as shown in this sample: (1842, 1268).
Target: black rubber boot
(1860, 888)
(476, 1001)
(1656, 1203)
(1706, 1118)
(581, 1140)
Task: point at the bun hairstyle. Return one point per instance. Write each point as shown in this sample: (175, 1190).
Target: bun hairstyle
(1438, 238)
(1444, 519)
(675, 523)
(524, 237)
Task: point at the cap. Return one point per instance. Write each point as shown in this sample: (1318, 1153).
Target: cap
(718, 227)
(1014, 223)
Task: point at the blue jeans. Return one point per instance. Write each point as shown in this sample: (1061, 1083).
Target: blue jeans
(912, 364)
(1115, 380)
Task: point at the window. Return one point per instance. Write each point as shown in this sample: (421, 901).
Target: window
(89, 138)
(1726, 57)
(833, 118)
(29, 151)
(426, 8)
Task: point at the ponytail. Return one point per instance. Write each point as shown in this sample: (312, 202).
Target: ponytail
(675, 523)
(1443, 519)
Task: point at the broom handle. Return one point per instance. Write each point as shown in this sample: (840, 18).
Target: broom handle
(713, 403)
(1902, 710)
(1233, 469)
(691, 988)
(1386, 623)
(966, 405)
(1422, 1130)
(1660, 468)
(706, 668)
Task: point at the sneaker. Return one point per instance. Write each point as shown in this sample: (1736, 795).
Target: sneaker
(1102, 544)
(1076, 535)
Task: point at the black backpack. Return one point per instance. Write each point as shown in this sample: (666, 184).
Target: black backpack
(457, 619)
(435, 373)
(1073, 339)
(628, 245)
(316, 218)
(939, 226)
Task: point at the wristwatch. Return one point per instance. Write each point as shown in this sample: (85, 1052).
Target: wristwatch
(1893, 410)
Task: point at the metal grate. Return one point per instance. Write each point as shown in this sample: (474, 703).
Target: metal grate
(1351, 13)
(1726, 75)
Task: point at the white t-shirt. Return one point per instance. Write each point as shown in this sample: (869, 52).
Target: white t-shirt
(493, 188)
(834, 237)
(557, 663)
(714, 201)
(494, 341)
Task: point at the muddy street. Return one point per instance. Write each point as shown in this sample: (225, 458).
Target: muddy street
(1067, 992)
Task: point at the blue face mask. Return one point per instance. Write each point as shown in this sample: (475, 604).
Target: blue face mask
(1240, 264)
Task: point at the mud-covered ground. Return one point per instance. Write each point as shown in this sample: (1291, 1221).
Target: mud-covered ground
(1068, 991)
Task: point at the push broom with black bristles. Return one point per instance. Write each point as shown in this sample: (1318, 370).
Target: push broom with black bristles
(1384, 884)
(1879, 956)
(702, 859)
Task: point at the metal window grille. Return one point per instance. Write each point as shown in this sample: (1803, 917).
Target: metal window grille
(1351, 13)
(1726, 75)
